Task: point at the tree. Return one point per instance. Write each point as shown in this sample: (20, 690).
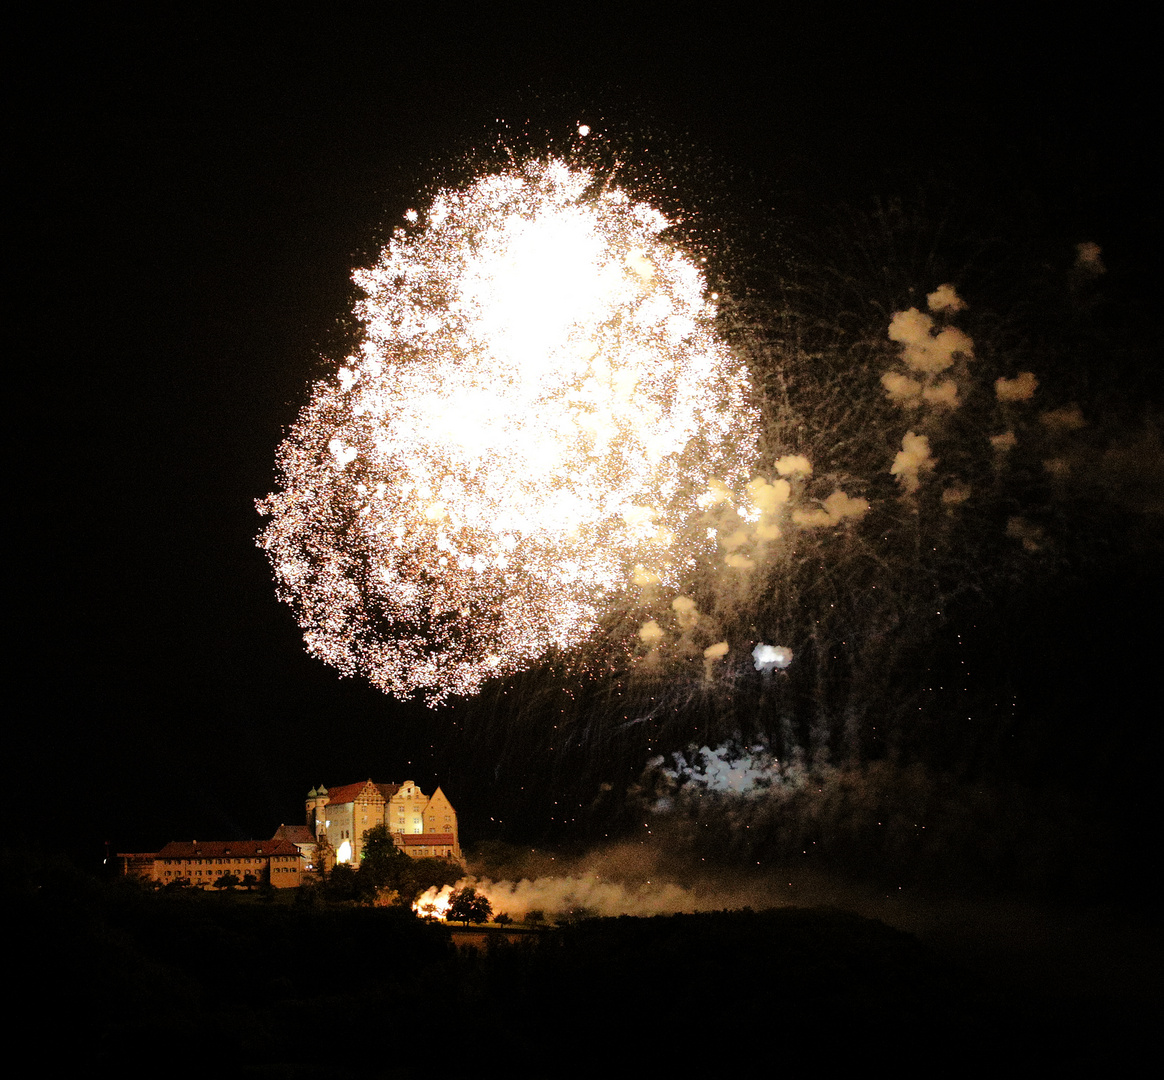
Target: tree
(227, 881)
(382, 863)
(420, 875)
(384, 868)
(345, 884)
(467, 905)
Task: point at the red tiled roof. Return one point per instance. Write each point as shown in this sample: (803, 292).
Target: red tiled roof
(432, 838)
(297, 834)
(347, 793)
(216, 849)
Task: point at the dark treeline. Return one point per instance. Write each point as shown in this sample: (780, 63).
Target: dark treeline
(271, 988)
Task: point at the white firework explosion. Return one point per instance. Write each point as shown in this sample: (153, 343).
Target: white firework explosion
(521, 445)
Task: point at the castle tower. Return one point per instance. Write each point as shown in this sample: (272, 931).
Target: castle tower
(316, 818)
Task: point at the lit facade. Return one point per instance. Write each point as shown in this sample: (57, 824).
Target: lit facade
(201, 864)
(422, 826)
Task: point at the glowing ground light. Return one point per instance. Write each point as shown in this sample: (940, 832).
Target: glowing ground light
(518, 445)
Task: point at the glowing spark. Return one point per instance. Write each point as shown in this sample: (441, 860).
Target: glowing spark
(538, 402)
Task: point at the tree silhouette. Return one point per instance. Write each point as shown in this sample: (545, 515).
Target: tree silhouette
(469, 906)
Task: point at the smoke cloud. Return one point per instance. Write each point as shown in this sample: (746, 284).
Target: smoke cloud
(943, 395)
(924, 350)
(568, 896)
(745, 771)
(944, 298)
(713, 653)
(686, 613)
(1087, 259)
(838, 507)
(1021, 388)
(1067, 418)
(793, 465)
(902, 390)
(651, 632)
(770, 657)
(1028, 534)
(1003, 443)
(913, 459)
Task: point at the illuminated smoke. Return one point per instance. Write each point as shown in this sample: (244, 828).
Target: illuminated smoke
(1068, 418)
(1028, 534)
(1020, 388)
(794, 465)
(651, 632)
(711, 655)
(833, 510)
(1003, 443)
(912, 460)
(571, 895)
(945, 298)
(925, 349)
(926, 352)
(1088, 260)
(771, 657)
(519, 444)
(729, 769)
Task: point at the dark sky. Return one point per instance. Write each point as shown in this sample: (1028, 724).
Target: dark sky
(193, 192)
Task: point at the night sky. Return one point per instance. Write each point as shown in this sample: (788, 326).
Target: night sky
(193, 191)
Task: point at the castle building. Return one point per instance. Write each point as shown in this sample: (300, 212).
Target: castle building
(303, 839)
(422, 826)
(336, 823)
(202, 863)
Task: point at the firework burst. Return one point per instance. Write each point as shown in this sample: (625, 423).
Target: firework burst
(520, 447)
